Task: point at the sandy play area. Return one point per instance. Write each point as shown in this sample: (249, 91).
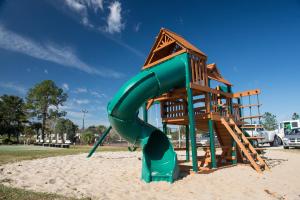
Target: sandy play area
(116, 175)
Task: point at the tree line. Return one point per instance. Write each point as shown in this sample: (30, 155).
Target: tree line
(270, 123)
(40, 114)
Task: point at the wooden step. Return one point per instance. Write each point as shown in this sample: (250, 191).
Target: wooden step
(251, 117)
(230, 158)
(254, 138)
(250, 126)
(262, 165)
(250, 105)
(254, 155)
(260, 149)
(246, 144)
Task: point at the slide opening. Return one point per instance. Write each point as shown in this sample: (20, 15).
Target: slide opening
(159, 154)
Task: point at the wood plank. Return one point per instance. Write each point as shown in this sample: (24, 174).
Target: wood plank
(251, 117)
(255, 138)
(149, 104)
(252, 149)
(163, 46)
(164, 59)
(246, 93)
(242, 147)
(211, 90)
(250, 105)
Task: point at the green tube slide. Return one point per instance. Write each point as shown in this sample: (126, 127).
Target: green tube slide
(159, 162)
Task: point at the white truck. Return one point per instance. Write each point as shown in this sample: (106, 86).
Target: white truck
(270, 137)
(286, 126)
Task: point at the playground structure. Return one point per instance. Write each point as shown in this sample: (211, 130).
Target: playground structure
(176, 76)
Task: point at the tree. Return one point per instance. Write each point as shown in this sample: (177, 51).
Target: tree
(295, 116)
(71, 129)
(66, 126)
(60, 128)
(12, 115)
(269, 121)
(43, 102)
(88, 137)
(36, 126)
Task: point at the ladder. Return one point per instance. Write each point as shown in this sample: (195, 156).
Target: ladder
(244, 145)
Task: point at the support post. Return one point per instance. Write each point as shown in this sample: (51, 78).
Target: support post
(211, 136)
(145, 112)
(212, 144)
(187, 143)
(165, 128)
(191, 115)
(233, 146)
(101, 139)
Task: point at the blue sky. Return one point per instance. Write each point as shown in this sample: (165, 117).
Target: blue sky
(91, 47)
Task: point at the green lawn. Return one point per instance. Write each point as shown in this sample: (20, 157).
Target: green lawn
(8, 193)
(14, 153)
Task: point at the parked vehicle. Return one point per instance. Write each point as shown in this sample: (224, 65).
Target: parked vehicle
(286, 126)
(204, 140)
(292, 138)
(257, 130)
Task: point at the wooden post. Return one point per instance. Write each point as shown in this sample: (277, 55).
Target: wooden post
(191, 115)
(187, 143)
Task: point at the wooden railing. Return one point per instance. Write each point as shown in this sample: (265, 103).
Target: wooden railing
(199, 70)
(173, 109)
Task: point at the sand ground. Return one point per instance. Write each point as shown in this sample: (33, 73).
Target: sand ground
(116, 175)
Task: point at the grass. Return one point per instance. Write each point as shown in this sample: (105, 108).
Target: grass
(15, 153)
(9, 193)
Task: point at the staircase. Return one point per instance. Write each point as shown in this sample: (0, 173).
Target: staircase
(244, 145)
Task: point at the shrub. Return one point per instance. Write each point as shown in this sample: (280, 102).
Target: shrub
(88, 137)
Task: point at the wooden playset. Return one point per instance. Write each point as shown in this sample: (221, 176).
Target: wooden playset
(176, 76)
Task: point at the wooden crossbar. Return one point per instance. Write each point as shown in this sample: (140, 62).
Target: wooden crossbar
(251, 117)
(250, 105)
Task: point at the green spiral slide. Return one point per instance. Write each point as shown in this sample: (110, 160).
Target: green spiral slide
(159, 162)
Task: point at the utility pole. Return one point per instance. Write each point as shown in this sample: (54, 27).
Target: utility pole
(84, 111)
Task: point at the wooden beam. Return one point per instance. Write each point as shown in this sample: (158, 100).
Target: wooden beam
(149, 103)
(163, 46)
(164, 59)
(211, 90)
(250, 105)
(246, 93)
(251, 117)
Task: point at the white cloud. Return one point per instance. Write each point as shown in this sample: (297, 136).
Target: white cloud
(114, 19)
(81, 90)
(82, 8)
(13, 86)
(75, 114)
(45, 71)
(82, 101)
(98, 94)
(64, 56)
(65, 86)
(137, 27)
(85, 8)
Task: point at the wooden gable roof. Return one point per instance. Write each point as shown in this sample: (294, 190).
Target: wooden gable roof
(167, 45)
(214, 73)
